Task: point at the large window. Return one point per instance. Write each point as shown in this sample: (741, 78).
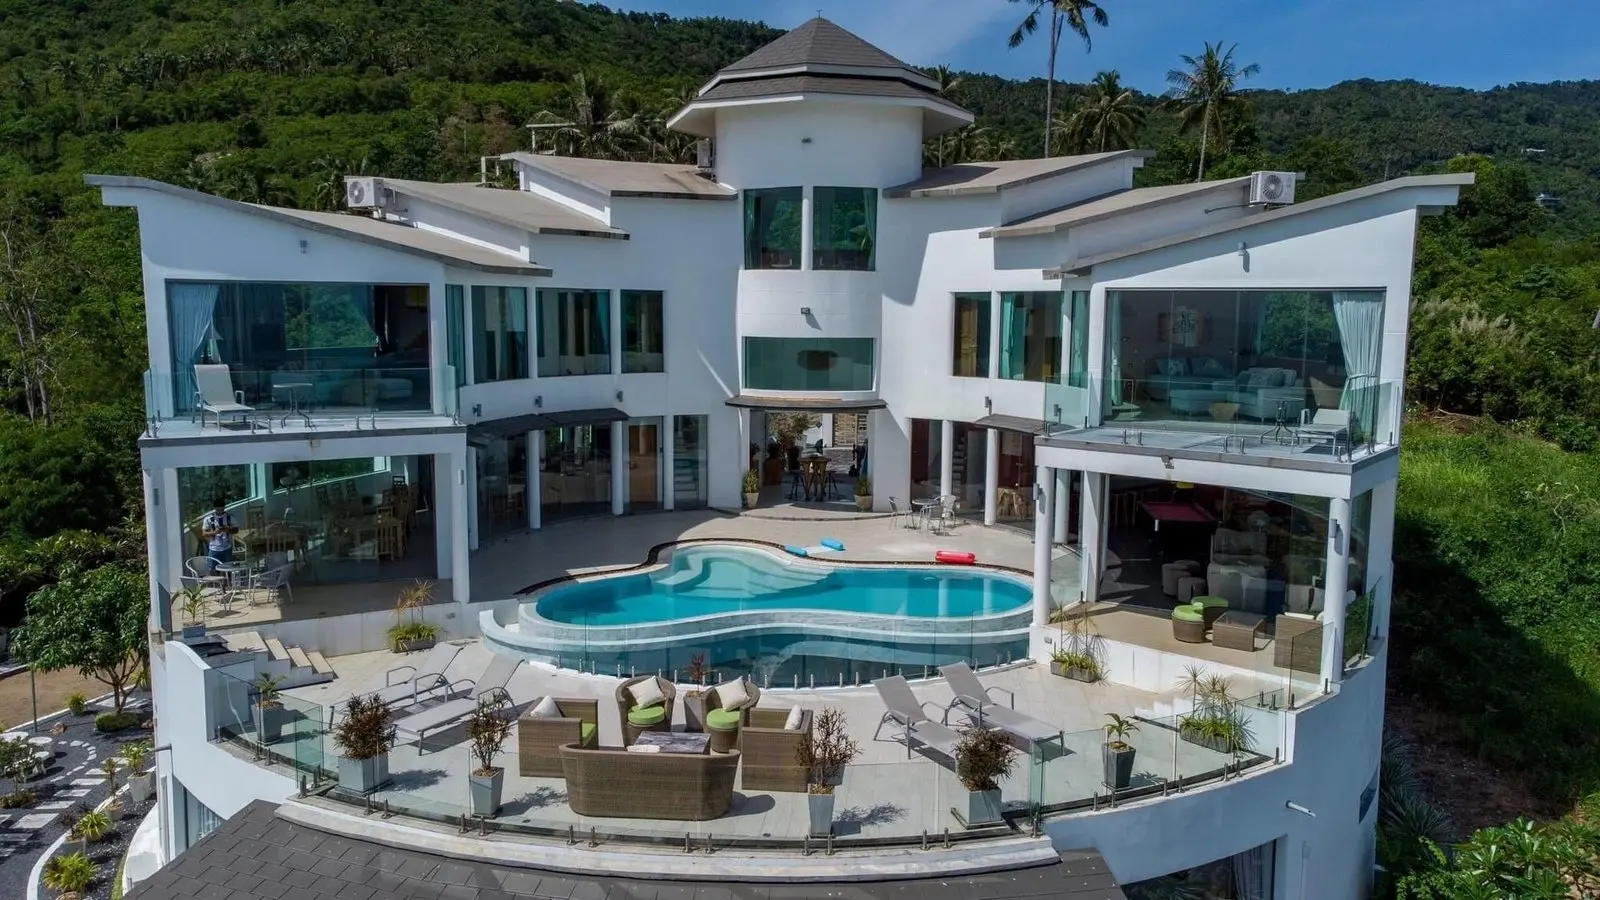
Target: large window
(1030, 335)
(575, 478)
(500, 333)
(772, 223)
(642, 345)
(971, 354)
(844, 228)
(808, 364)
(314, 347)
(574, 332)
(455, 315)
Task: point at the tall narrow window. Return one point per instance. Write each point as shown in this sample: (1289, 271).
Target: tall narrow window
(971, 353)
(772, 222)
(500, 333)
(1078, 350)
(642, 345)
(1030, 335)
(574, 332)
(455, 329)
(844, 228)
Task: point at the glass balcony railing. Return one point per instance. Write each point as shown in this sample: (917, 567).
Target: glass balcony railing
(296, 395)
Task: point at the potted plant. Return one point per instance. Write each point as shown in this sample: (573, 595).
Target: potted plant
(141, 783)
(270, 714)
(1074, 664)
(487, 730)
(864, 494)
(1215, 720)
(364, 737)
(983, 757)
(824, 757)
(69, 874)
(1117, 754)
(752, 488)
(409, 632)
(694, 703)
(1078, 649)
(194, 611)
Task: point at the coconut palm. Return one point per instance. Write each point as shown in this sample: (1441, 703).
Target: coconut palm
(1105, 121)
(1206, 93)
(1074, 14)
(591, 119)
(947, 81)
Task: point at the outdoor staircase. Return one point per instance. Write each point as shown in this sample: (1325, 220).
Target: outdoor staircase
(297, 666)
(685, 480)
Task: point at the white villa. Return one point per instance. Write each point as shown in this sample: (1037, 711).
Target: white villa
(1166, 419)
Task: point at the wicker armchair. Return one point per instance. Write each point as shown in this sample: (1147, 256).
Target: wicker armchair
(769, 751)
(625, 703)
(683, 786)
(539, 740)
(712, 701)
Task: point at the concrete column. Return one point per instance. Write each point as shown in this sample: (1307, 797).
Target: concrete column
(462, 471)
(535, 468)
(1380, 554)
(1092, 520)
(991, 475)
(947, 456)
(619, 466)
(808, 209)
(157, 536)
(668, 460)
(614, 311)
(1063, 503)
(445, 492)
(1044, 519)
(1335, 582)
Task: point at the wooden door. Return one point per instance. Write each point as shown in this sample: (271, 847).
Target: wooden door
(644, 464)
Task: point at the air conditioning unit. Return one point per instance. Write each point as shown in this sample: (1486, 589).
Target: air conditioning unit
(364, 192)
(1276, 188)
(705, 156)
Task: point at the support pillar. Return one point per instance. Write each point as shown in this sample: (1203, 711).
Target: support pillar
(991, 476)
(157, 534)
(1092, 534)
(619, 466)
(462, 496)
(1335, 582)
(947, 456)
(668, 460)
(535, 468)
(1043, 521)
(468, 496)
(1380, 554)
(1063, 504)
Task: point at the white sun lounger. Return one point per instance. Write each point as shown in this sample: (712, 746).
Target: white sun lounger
(416, 682)
(491, 685)
(917, 729)
(972, 698)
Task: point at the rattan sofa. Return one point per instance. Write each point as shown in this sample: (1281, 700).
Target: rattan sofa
(625, 703)
(624, 784)
(769, 751)
(539, 740)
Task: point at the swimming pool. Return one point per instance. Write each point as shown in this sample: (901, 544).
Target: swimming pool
(744, 609)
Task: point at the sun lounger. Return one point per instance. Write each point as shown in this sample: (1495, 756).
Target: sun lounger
(972, 698)
(917, 729)
(491, 685)
(411, 684)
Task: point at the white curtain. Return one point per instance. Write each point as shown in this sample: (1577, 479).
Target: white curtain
(1113, 373)
(1360, 318)
(192, 308)
(1252, 873)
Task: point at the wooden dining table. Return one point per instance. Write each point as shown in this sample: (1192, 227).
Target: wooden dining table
(814, 476)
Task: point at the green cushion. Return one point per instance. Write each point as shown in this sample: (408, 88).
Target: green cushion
(723, 719)
(1209, 602)
(586, 734)
(1187, 614)
(647, 715)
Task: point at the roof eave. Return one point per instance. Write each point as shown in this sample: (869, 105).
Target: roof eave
(906, 192)
(698, 117)
(1025, 230)
(508, 221)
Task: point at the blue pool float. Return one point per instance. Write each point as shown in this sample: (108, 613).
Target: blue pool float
(797, 551)
(832, 543)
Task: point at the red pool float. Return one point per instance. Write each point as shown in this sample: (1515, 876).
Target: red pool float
(955, 558)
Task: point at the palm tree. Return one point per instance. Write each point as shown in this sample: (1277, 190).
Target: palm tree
(1206, 92)
(1107, 120)
(1074, 14)
(947, 81)
(592, 121)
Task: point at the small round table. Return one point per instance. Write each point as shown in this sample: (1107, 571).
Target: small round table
(295, 390)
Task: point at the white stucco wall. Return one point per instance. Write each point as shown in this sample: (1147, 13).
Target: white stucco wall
(839, 142)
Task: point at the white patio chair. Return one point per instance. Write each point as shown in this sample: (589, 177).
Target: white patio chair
(1326, 423)
(214, 394)
(270, 581)
(916, 727)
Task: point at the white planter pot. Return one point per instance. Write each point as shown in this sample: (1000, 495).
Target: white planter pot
(750, 500)
(363, 776)
(486, 791)
(141, 787)
(821, 809)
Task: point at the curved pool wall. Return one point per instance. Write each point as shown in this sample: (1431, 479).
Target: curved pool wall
(784, 621)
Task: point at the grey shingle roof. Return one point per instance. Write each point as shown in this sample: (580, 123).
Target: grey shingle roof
(391, 235)
(1111, 205)
(257, 856)
(818, 42)
(518, 209)
(820, 84)
(616, 178)
(989, 177)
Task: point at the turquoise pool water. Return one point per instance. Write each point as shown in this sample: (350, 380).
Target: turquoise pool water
(706, 581)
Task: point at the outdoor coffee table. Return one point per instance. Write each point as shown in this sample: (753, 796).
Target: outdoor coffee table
(1237, 630)
(691, 742)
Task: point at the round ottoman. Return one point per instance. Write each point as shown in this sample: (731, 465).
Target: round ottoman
(723, 727)
(1190, 587)
(1211, 608)
(1188, 625)
(645, 718)
(1172, 571)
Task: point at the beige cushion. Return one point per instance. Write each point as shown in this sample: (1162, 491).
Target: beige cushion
(643, 748)
(793, 722)
(732, 695)
(647, 693)
(545, 709)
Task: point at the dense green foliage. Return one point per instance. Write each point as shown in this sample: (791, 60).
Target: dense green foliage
(92, 621)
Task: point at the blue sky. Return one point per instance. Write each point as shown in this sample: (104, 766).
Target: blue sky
(1298, 43)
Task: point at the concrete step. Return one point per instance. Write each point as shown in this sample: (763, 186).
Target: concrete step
(244, 642)
(298, 658)
(319, 663)
(275, 649)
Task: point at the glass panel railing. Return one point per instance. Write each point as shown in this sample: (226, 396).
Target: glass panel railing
(1067, 408)
(288, 395)
(452, 393)
(280, 730)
